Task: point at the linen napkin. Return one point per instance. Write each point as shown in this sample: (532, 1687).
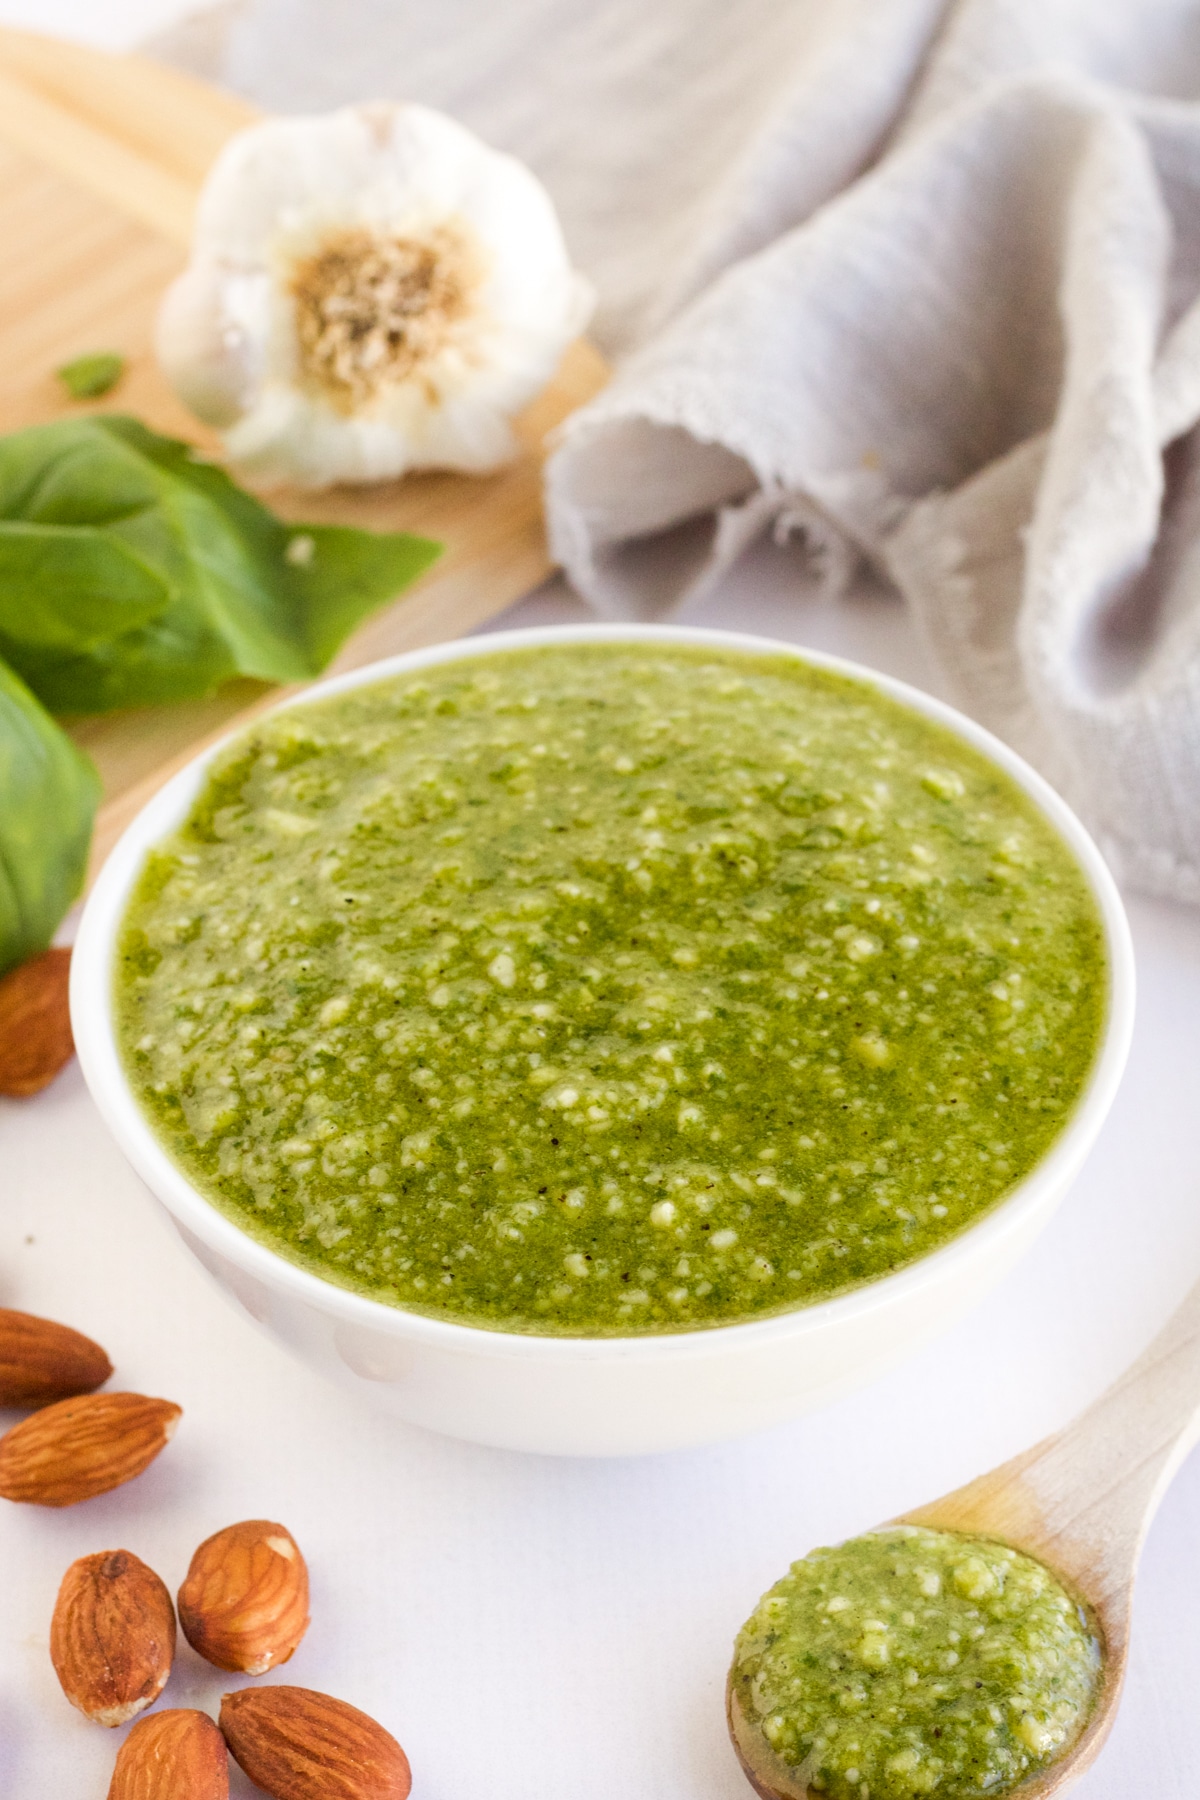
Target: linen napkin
(909, 282)
(674, 136)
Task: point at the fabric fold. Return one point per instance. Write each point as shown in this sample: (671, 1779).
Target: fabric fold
(959, 371)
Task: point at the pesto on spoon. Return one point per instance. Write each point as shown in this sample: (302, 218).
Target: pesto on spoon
(1061, 1528)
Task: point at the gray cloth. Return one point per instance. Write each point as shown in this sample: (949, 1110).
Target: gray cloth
(910, 281)
(674, 135)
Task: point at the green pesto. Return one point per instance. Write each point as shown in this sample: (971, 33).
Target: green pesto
(595, 988)
(910, 1662)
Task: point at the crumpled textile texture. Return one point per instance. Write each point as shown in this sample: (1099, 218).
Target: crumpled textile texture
(675, 136)
(915, 282)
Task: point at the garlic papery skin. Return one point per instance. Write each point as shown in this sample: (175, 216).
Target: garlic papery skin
(370, 291)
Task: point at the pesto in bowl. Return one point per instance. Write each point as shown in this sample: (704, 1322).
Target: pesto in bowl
(608, 988)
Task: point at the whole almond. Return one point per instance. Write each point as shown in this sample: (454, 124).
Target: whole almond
(41, 1361)
(299, 1745)
(35, 1023)
(112, 1638)
(244, 1604)
(173, 1755)
(78, 1448)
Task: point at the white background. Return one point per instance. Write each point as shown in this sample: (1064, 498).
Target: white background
(541, 1630)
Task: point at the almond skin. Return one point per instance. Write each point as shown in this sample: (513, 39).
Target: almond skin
(112, 1638)
(35, 1023)
(244, 1605)
(78, 1448)
(41, 1362)
(174, 1755)
(299, 1745)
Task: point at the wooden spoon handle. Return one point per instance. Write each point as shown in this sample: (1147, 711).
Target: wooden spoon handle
(1149, 1419)
(1082, 1500)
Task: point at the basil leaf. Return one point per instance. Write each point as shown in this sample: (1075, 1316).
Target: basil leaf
(49, 792)
(335, 583)
(98, 584)
(233, 596)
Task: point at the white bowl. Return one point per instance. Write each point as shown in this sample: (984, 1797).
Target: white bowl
(593, 1396)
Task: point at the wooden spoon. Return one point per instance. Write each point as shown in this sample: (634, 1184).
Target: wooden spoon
(1081, 1501)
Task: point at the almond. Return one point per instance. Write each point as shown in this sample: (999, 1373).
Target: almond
(77, 1448)
(244, 1605)
(35, 1023)
(112, 1638)
(299, 1745)
(41, 1361)
(175, 1755)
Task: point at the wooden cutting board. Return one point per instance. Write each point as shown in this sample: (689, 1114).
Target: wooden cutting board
(101, 159)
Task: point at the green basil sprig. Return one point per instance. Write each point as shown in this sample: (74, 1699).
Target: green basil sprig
(48, 796)
(132, 572)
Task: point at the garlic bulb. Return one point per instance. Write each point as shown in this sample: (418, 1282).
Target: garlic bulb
(370, 291)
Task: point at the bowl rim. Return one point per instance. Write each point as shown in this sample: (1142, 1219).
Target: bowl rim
(96, 1042)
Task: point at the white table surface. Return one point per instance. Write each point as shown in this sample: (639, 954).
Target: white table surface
(534, 1629)
(559, 1630)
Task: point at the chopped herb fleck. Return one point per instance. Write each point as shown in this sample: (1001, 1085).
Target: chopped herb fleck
(90, 377)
